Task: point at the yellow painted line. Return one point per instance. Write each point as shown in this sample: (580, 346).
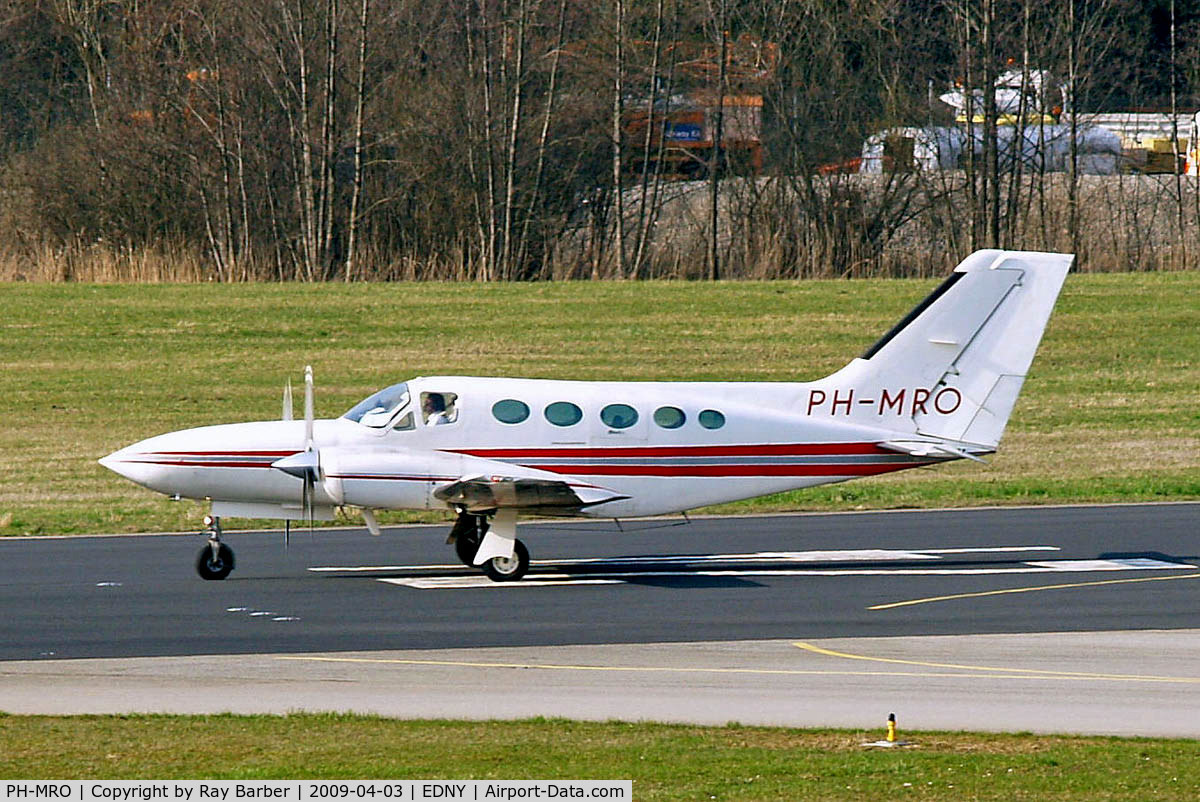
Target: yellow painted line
(957, 672)
(647, 669)
(982, 593)
(1032, 673)
(561, 667)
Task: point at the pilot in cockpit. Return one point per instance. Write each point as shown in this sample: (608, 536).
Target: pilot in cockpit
(434, 409)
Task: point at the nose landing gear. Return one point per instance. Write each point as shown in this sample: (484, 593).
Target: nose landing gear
(215, 560)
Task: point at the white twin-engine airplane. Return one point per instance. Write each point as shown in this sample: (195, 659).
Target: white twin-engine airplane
(939, 386)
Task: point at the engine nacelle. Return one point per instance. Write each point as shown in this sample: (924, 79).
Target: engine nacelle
(388, 479)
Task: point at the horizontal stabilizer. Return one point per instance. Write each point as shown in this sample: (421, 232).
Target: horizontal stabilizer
(926, 448)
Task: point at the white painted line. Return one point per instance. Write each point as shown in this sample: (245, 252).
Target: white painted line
(841, 555)
(472, 582)
(362, 569)
(546, 580)
(1134, 564)
(990, 549)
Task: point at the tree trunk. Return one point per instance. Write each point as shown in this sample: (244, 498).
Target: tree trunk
(714, 165)
(618, 110)
(356, 194)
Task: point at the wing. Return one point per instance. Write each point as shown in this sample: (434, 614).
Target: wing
(481, 493)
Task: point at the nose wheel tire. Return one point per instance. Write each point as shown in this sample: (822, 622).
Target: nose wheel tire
(218, 566)
(508, 569)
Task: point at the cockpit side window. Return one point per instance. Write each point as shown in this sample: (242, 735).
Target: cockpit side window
(378, 410)
(439, 408)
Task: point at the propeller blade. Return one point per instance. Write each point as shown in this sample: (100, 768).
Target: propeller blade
(307, 501)
(308, 408)
(287, 400)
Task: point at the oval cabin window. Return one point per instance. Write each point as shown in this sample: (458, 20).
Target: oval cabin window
(563, 413)
(669, 417)
(619, 416)
(510, 410)
(711, 419)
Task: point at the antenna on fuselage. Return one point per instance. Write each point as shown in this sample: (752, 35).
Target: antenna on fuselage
(287, 400)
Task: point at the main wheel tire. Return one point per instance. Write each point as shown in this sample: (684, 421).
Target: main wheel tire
(508, 569)
(219, 568)
(466, 543)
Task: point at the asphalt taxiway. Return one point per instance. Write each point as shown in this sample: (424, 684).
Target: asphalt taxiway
(1146, 686)
(1077, 619)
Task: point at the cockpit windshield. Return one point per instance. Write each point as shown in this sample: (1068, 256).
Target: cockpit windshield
(377, 410)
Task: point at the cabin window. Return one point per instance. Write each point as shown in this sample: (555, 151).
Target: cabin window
(711, 419)
(563, 413)
(510, 410)
(619, 416)
(439, 408)
(669, 417)
(405, 423)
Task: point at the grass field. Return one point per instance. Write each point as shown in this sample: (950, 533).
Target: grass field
(1111, 411)
(665, 762)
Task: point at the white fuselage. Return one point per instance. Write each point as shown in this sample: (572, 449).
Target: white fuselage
(688, 444)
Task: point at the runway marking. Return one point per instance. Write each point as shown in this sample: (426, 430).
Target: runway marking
(482, 582)
(1029, 672)
(978, 594)
(958, 672)
(839, 555)
(476, 581)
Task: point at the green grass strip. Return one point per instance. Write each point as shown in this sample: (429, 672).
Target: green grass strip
(665, 762)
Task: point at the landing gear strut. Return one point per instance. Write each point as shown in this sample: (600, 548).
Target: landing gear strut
(215, 560)
(468, 535)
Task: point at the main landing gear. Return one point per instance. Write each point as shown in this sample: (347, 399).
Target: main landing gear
(468, 534)
(215, 560)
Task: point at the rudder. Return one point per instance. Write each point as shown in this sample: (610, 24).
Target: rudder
(966, 348)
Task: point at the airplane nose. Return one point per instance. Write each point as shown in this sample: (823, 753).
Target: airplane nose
(133, 463)
(121, 462)
(112, 462)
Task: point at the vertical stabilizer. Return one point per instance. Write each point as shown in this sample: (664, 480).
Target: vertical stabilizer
(953, 367)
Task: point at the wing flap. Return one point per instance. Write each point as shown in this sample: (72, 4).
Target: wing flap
(481, 493)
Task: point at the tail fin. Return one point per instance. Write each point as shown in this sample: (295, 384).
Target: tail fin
(952, 368)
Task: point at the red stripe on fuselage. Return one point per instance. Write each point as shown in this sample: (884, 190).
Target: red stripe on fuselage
(517, 455)
(186, 464)
(761, 450)
(859, 469)
(229, 453)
